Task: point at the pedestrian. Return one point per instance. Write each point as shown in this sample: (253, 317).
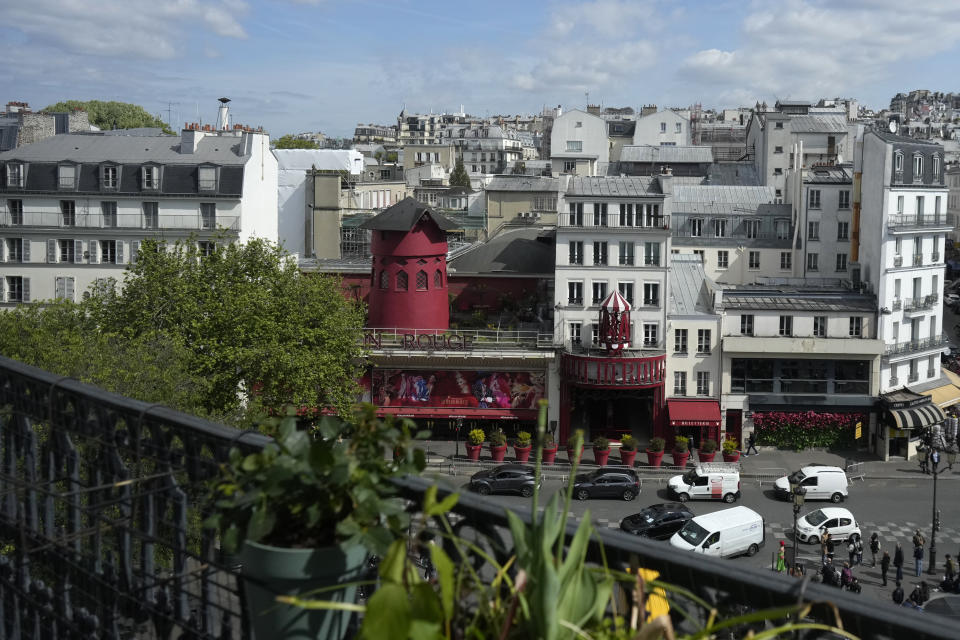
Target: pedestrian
(781, 558)
(858, 543)
(830, 546)
(934, 460)
(829, 573)
(851, 552)
(924, 591)
(885, 566)
(918, 539)
(898, 594)
(846, 575)
(916, 596)
(898, 561)
(824, 537)
(918, 559)
(874, 548)
(855, 586)
(949, 568)
(922, 457)
(751, 445)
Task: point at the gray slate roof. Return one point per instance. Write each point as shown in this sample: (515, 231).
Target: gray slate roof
(712, 193)
(798, 299)
(622, 187)
(821, 123)
(404, 215)
(528, 251)
(96, 148)
(674, 154)
(523, 183)
(829, 175)
(689, 290)
(892, 137)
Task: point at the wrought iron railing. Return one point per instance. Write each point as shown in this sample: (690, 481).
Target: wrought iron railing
(102, 499)
(913, 346)
(899, 221)
(455, 339)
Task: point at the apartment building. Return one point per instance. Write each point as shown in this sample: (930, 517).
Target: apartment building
(485, 148)
(579, 144)
(662, 128)
(517, 199)
(826, 224)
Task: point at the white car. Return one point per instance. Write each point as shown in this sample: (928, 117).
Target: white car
(839, 522)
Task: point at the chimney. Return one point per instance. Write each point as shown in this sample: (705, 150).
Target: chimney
(190, 139)
(223, 115)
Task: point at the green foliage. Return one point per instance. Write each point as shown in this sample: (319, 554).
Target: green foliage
(498, 438)
(476, 437)
(806, 429)
(523, 438)
(601, 444)
(111, 115)
(459, 176)
(681, 444)
(304, 491)
(657, 444)
(392, 156)
(628, 443)
(575, 441)
(708, 446)
(729, 445)
(289, 142)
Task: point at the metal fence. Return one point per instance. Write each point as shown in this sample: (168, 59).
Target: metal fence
(102, 500)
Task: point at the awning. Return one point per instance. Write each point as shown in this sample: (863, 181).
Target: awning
(947, 395)
(694, 413)
(465, 413)
(921, 415)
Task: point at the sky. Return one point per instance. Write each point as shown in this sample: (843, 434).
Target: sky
(296, 66)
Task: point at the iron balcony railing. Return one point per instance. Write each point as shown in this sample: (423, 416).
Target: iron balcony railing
(102, 499)
(460, 339)
(903, 221)
(920, 303)
(913, 346)
(120, 222)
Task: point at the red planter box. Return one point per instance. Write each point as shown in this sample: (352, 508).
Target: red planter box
(601, 457)
(654, 458)
(627, 457)
(498, 453)
(473, 451)
(706, 457)
(522, 453)
(680, 459)
(570, 453)
(731, 457)
(549, 455)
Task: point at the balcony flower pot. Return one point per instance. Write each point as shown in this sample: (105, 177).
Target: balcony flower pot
(706, 457)
(474, 443)
(522, 453)
(627, 458)
(473, 451)
(498, 453)
(601, 451)
(732, 456)
(571, 452)
(654, 458)
(707, 451)
(680, 458)
(549, 455)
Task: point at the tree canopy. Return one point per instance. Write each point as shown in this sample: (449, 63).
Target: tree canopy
(111, 115)
(459, 176)
(289, 142)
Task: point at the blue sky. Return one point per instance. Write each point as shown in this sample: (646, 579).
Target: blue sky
(321, 65)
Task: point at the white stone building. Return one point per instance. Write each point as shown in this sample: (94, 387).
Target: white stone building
(663, 128)
(579, 144)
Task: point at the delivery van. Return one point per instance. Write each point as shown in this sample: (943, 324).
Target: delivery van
(710, 480)
(822, 482)
(726, 533)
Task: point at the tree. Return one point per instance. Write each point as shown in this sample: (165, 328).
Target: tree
(289, 142)
(459, 176)
(112, 115)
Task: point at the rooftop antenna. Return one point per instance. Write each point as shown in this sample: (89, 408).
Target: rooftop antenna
(586, 95)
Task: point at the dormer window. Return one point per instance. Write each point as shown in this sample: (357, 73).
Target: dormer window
(151, 178)
(67, 176)
(898, 161)
(109, 177)
(936, 167)
(15, 175)
(917, 167)
(207, 178)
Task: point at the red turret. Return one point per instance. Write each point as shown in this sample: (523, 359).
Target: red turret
(408, 279)
(615, 322)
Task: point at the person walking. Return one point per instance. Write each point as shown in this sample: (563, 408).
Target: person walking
(830, 546)
(922, 457)
(949, 568)
(782, 558)
(918, 559)
(846, 575)
(751, 445)
(858, 544)
(851, 552)
(885, 566)
(898, 594)
(898, 562)
(824, 536)
(874, 548)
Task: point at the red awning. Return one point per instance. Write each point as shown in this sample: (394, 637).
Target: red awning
(694, 413)
(452, 413)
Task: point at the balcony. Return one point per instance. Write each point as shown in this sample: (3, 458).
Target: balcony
(918, 260)
(894, 382)
(124, 222)
(897, 261)
(916, 346)
(649, 224)
(455, 340)
(923, 303)
(902, 222)
(934, 257)
(913, 377)
(897, 305)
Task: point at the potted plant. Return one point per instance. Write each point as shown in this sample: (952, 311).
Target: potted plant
(498, 445)
(572, 449)
(474, 443)
(681, 451)
(522, 446)
(655, 451)
(549, 449)
(730, 452)
(601, 450)
(306, 511)
(628, 450)
(707, 451)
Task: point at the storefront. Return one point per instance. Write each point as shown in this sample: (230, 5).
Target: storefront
(698, 420)
(905, 413)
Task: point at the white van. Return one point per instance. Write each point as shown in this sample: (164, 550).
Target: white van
(820, 481)
(725, 533)
(713, 480)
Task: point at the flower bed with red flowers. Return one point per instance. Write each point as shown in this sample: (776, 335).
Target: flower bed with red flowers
(805, 429)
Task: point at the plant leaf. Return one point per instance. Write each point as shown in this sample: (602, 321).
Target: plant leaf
(388, 614)
(444, 566)
(261, 523)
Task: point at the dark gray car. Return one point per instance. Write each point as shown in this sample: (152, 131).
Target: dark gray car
(607, 483)
(659, 521)
(507, 478)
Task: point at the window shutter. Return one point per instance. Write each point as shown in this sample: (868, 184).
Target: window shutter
(3, 247)
(59, 288)
(2, 296)
(119, 252)
(78, 251)
(26, 289)
(134, 250)
(94, 246)
(26, 249)
(51, 251)
(69, 288)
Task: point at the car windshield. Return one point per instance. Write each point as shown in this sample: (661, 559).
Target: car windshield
(816, 518)
(693, 533)
(690, 477)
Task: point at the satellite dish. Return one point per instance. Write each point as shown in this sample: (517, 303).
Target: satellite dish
(892, 126)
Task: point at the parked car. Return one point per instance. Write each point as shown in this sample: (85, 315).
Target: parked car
(658, 521)
(950, 300)
(724, 533)
(822, 482)
(716, 480)
(839, 522)
(607, 483)
(507, 478)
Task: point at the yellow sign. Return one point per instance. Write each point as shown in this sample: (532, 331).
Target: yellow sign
(859, 430)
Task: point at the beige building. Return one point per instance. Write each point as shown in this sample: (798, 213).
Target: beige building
(521, 200)
(418, 155)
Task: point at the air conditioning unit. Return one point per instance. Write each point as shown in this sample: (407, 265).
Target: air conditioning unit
(536, 215)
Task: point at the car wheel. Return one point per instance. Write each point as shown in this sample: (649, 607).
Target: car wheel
(483, 490)
(526, 492)
(837, 497)
(583, 494)
(813, 539)
(729, 498)
(628, 495)
(683, 497)
(752, 551)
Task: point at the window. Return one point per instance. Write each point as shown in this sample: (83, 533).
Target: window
(746, 325)
(207, 178)
(856, 327)
(574, 293)
(151, 215)
(813, 262)
(703, 383)
(898, 161)
(898, 246)
(650, 337)
(578, 124)
(67, 250)
(696, 227)
(543, 202)
(778, 171)
(384, 280)
(936, 168)
(917, 167)
(64, 288)
(576, 329)
(679, 127)
(599, 292)
(108, 251)
(651, 294)
(208, 215)
(786, 260)
(720, 227)
(703, 341)
(18, 289)
(15, 175)
(599, 253)
(626, 290)
(754, 260)
(813, 201)
(920, 207)
(206, 248)
(599, 214)
(575, 146)
(108, 210)
(841, 262)
(813, 230)
(438, 279)
(663, 127)
(15, 207)
(626, 215)
(819, 326)
(778, 125)
(778, 196)
(569, 166)
(576, 214)
(68, 213)
(778, 149)
(679, 383)
(679, 340)
(900, 204)
(700, 253)
(403, 281)
(422, 280)
(843, 231)
(108, 178)
(651, 254)
(936, 206)
(752, 228)
(576, 252)
(151, 177)
(843, 199)
(786, 325)
(15, 249)
(626, 253)
(723, 259)
(782, 229)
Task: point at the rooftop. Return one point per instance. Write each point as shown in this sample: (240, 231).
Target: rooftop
(404, 215)
(819, 123)
(840, 174)
(623, 187)
(689, 286)
(669, 153)
(797, 299)
(523, 183)
(528, 251)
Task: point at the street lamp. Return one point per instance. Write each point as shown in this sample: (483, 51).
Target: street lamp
(936, 444)
(458, 427)
(798, 493)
